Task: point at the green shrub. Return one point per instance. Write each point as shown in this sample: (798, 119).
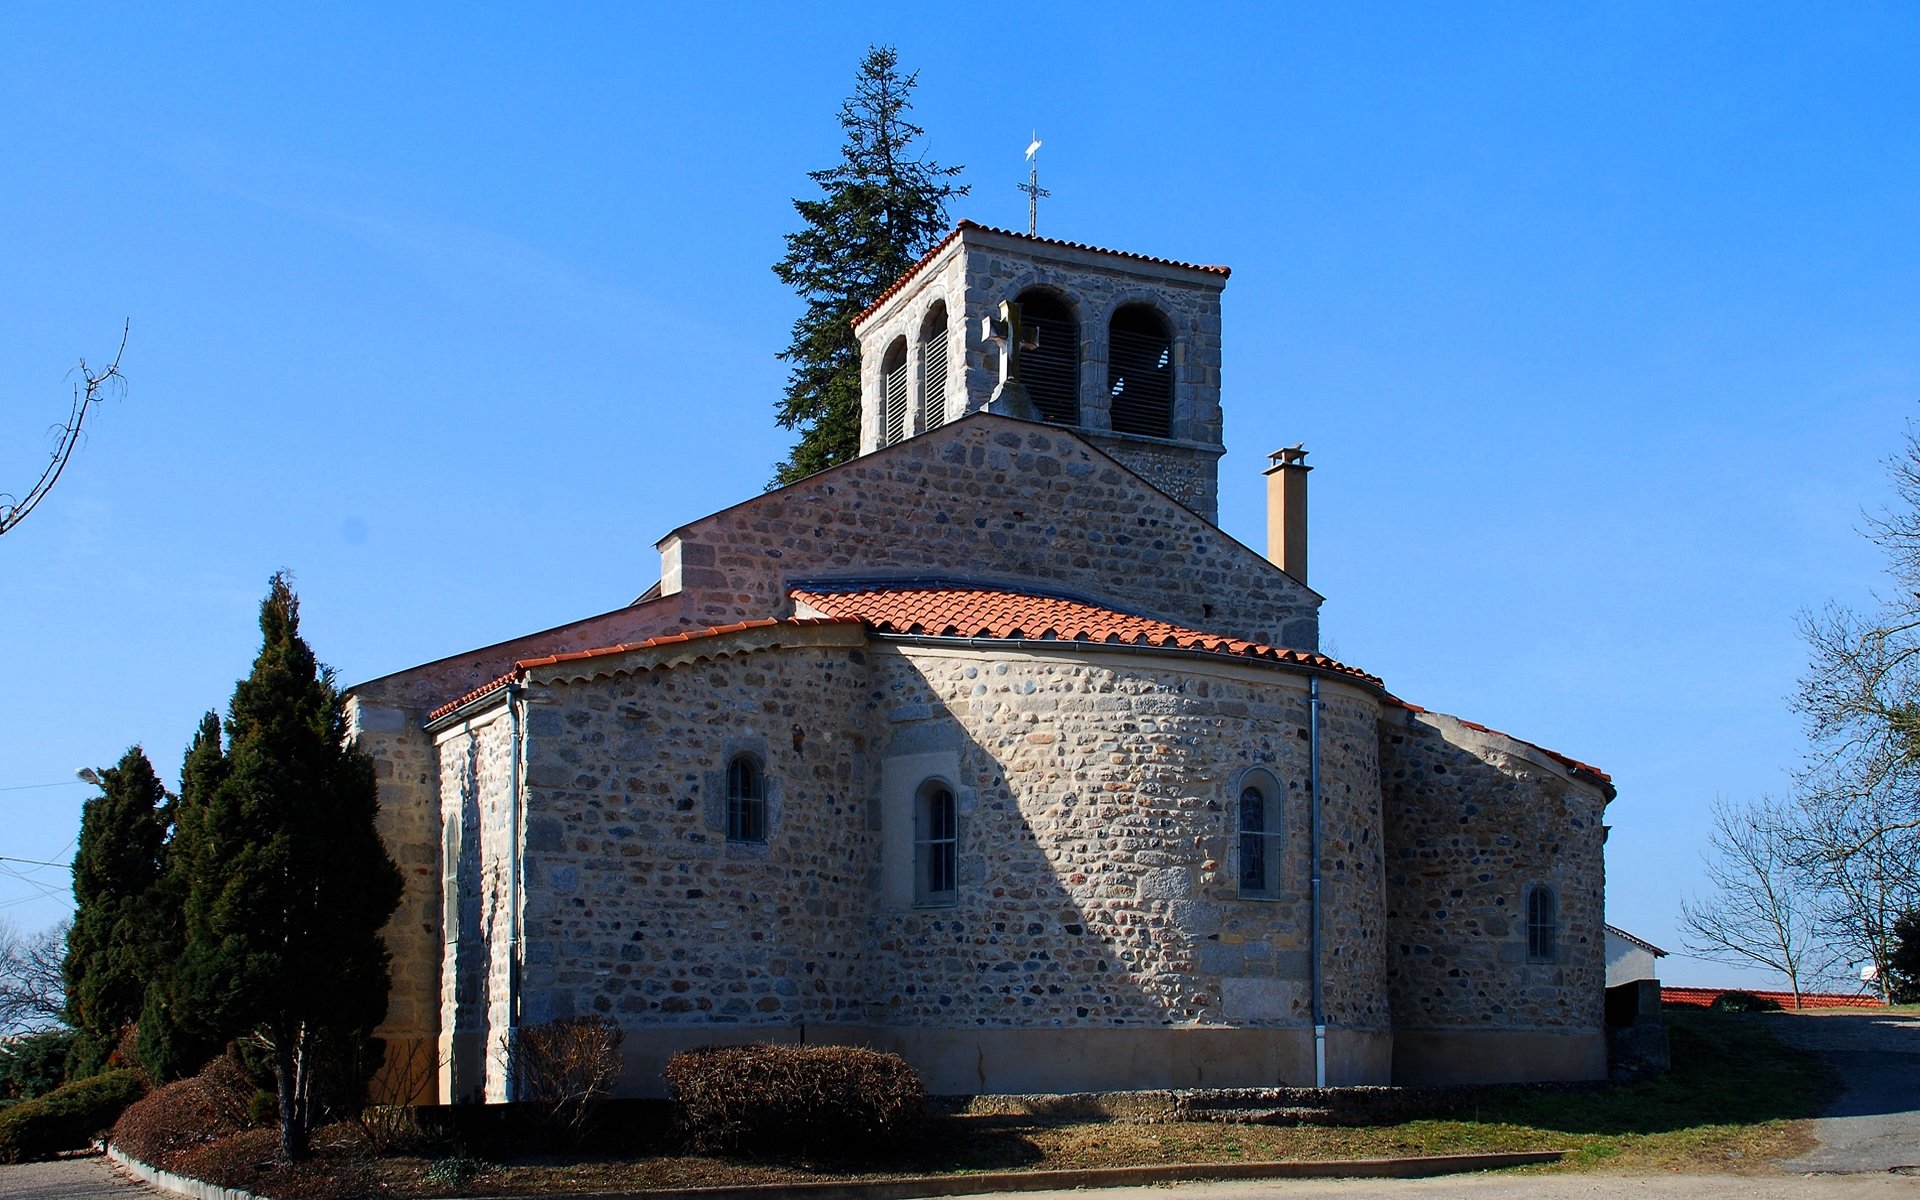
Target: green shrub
(188, 1112)
(68, 1117)
(777, 1099)
(34, 1064)
(1743, 1002)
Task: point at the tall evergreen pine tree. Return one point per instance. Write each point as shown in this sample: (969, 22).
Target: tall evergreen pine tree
(120, 919)
(175, 1038)
(883, 207)
(290, 884)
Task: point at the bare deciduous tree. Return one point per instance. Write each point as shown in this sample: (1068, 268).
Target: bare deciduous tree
(1761, 912)
(86, 395)
(33, 994)
(1859, 793)
(1863, 860)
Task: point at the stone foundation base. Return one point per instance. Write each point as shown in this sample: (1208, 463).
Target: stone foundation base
(1439, 1057)
(965, 1062)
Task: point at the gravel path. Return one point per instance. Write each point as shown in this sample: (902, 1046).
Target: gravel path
(1875, 1124)
(88, 1178)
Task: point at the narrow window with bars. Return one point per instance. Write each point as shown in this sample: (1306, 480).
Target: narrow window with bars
(1050, 371)
(746, 800)
(933, 367)
(1140, 372)
(1260, 831)
(1543, 923)
(893, 394)
(936, 842)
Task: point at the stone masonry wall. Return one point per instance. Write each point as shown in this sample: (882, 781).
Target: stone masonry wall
(408, 819)
(992, 499)
(983, 268)
(1187, 473)
(637, 906)
(1097, 884)
(477, 963)
(1472, 820)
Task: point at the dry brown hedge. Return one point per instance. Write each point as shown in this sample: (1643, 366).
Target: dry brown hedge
(186, 1114)
(784, 1099)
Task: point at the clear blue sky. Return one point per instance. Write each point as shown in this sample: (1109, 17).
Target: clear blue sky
(1597, 324)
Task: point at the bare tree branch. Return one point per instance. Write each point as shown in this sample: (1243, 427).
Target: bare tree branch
(1760, 912)
(86, 395)
(33, 993)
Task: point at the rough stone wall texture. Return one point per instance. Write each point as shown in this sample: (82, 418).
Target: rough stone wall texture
(636, 905)
(1189, 474)
(1097, 884)
(993, 499)
(406, 774)
(981, 269)
(477, 965)
(1472, 820)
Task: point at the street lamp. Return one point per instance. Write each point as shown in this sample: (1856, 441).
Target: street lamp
(89, 775)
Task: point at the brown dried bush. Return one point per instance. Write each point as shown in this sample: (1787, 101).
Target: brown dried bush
(188, 1113)
(565, 1069)
(791, 1099)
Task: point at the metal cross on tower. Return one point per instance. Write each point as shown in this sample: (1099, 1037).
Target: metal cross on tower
(1032, 188)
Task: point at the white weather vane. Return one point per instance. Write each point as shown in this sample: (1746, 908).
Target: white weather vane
(1032, 187)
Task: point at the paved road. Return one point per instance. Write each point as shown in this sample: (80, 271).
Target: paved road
(1525, 1187)
(1875, 1125)
(87, 1178)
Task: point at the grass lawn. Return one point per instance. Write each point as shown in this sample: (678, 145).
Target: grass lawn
(1737, 1100)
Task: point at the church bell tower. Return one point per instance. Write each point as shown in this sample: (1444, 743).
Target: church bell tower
(1123, 348)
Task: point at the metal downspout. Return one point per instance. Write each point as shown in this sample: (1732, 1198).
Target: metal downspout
(515, 756)
(1315, 933)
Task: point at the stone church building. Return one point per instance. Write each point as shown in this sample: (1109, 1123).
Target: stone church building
(991, 749)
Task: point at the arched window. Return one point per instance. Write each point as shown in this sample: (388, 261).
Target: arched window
(936, 842)
(1051, 370)
(1261, 832)
(933, 367)
(1543, 924)
(746, 800)
(893, 393)
(1140, 371)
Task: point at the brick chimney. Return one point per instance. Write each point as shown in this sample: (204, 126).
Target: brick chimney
(1287, 511)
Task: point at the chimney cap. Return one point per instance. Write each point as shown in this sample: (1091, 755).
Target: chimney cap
(1289, 456)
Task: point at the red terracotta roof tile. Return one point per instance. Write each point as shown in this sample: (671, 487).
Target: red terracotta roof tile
(893, 288)
(1686, 997)
(959, 610)
(668, 639)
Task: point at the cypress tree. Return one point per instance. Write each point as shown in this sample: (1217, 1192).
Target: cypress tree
(120, 922)
(883, 207)
(290, 884)
(176, 1038)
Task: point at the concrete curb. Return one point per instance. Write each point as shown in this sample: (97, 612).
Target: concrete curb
(167, 1181)
(915, 1187)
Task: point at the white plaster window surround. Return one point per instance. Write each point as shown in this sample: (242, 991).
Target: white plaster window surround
(903, 779)
(1259, 835)
(716, 802)
(1543, 924)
